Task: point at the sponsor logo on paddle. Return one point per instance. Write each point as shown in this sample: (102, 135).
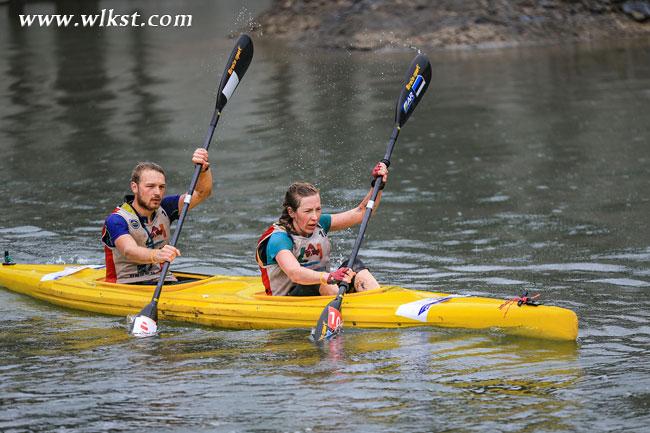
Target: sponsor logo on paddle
(144, 326)
(413, 77)
(408, 102)
(231, 85)
(418, 85)
(334, 320)
(415, 85)
(234, 61)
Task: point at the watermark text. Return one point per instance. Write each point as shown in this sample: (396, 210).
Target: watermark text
(107, 18)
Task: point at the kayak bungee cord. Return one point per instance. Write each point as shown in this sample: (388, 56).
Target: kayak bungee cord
(417, 80)
(145, 323)
(524, 299)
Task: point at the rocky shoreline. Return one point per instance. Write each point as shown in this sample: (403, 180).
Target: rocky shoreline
(400, 24)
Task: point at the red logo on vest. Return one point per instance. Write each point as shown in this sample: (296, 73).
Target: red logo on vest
(159, 231)
(314, 250)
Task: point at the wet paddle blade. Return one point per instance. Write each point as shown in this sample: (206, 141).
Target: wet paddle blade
(417, 82)
(329, 323)
(236, 67)
(144, 324)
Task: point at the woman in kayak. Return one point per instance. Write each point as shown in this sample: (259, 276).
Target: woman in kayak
(294, 253)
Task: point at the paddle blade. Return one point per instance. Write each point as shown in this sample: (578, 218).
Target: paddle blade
(238, 63)
(144, 324)
(143, 327)
(417, 81)
(329, 323)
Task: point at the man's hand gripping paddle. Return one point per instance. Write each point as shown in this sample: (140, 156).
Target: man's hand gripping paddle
(417, 80)
(145, 323)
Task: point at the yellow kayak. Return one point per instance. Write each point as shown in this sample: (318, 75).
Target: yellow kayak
(240, 303)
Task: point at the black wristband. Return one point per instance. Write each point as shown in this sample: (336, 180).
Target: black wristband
(372, 183)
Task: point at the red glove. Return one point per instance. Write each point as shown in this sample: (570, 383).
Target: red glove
(375, 171)
(337, 276)
(380, 170)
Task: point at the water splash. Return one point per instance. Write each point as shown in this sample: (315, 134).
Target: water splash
(245, 21)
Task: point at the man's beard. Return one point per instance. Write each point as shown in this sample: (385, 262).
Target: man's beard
(144, 204)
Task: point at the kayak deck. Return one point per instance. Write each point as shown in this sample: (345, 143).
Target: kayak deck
(238, 302)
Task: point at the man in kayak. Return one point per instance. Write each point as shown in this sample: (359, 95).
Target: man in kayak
(137, 233)
(294, 253)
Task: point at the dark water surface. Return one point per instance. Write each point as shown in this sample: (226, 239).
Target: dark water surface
(521, 169)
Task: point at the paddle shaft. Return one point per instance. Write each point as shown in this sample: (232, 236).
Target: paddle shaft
(343, 286)
(186, 206)
(332, 311)
(417, 81)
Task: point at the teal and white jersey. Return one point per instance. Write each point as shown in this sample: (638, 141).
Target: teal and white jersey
(312, 252)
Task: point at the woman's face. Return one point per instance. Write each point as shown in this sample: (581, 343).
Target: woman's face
(306, 217)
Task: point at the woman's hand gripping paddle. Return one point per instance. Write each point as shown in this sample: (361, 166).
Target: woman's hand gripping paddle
(144, 324)
(417, 80)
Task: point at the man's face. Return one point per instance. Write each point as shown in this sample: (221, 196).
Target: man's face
(150, 191)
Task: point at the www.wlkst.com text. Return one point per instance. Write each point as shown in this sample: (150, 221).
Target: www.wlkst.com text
(107, 18)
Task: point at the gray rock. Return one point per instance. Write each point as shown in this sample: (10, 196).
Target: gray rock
(639, 10)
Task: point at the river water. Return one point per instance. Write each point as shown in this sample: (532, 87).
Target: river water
(522, 169)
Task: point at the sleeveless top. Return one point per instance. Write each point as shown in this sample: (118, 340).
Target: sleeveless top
(312, 252)
(154, 234)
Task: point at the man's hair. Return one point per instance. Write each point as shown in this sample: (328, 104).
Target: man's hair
(142, 166)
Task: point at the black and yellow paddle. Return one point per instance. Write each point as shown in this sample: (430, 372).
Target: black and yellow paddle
(417, 80)
(145, 323)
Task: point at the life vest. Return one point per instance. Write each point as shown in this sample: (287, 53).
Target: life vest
(154, 234)
(312, 252)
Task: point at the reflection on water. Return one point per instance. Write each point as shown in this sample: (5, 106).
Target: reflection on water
(521, 170)
(379, 378)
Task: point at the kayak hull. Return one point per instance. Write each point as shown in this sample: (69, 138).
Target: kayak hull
(237, 302)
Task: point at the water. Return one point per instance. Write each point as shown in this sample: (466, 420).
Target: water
(522, 169)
